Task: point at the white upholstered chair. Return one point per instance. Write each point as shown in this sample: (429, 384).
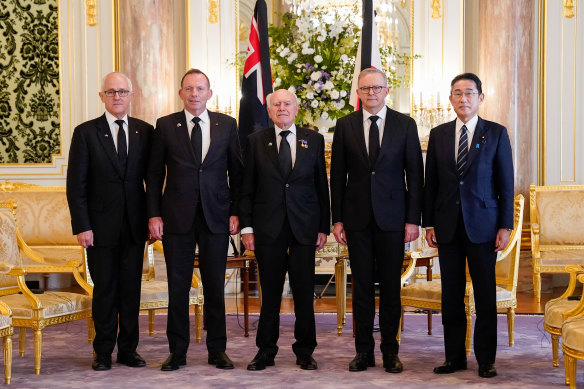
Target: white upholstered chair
(35, 311)
(429, 294)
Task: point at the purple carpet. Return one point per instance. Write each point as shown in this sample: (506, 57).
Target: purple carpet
(67, 359)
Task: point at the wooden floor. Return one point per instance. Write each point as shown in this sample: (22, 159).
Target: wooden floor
(525, 303)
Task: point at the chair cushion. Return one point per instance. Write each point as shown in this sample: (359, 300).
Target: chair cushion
(423, 291)
(555, 309)
(562, 257)
(158, 291)
(57, 255)
(504, 294)
(561, 217)
(5, 321)
(573, 333)
(53, 303)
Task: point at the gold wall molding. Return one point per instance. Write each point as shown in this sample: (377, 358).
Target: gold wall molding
(436, 9)
(542, 101)
(91, 12)
(213, 11)
(569, 8)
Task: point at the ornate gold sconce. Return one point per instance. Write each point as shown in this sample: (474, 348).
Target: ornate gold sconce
(436, 12)
(91, 12)
(569, 8)
(213, 11)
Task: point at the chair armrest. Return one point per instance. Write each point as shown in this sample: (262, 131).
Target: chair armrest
(158, 246)
(5, 309)
(30, 253)
(409, 269)
(578, 310)
(535, 240)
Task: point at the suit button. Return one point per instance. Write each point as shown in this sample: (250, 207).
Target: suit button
(461, 182)
(287, 185)
(201, 170)
(372, 173)
(457, 202)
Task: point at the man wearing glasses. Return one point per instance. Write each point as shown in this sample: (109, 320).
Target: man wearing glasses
(376, 196)
(105, 191)
(468, 215)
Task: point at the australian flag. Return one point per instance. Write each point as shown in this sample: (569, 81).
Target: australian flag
(257, 76)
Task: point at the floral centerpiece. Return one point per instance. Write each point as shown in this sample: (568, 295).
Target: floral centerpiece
(313, 55)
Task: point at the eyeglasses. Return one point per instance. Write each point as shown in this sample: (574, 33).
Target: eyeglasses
(468, 95)
(376, 89)
(112, 92)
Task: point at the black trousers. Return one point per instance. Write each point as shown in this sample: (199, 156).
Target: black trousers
(376, 255)
(481, 265)
(179, 253)
(286, 254)
(117, 278)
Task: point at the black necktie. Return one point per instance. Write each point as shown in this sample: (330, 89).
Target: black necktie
(462, 151)
(284, 155)
(197, 139)
(122, 144)
(373, 140)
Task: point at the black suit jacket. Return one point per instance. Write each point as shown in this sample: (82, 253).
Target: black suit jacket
(172, 157)
(391, 190)
(484, 191)
(98, 190)
(267, 198)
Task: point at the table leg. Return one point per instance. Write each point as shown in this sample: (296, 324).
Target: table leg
(341, 293)
(245, 271)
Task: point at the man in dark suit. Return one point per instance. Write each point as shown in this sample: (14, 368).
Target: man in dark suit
(285, 215)
(468, 213)
(195, 150)
(105, 190)
(376, 197)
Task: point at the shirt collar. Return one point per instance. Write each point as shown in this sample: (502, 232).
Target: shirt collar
(292, 129)
(204, 116)
(382, 113)
(111, 119)
(470, 125)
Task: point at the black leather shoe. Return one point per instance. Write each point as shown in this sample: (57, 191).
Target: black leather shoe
(102, 362)
(450, 367)
(392, 364)
(362, 361)
(260, 361)
(306, 362)
(173, 362)
(132, 360)
(220, 360)
(487, 371)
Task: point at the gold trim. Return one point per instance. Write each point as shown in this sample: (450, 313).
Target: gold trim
(117, 38)
(213, 11)
(541, 99)
(91, 12)
(188, 31)
(569, 6)
(436, 12)
(411, 56)
(236, 59)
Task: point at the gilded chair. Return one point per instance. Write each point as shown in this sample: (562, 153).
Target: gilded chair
(35, 311)
(428, 295)
(557, 309)
(154, 293)
(573, 338)
(6, 332)
(557, 229)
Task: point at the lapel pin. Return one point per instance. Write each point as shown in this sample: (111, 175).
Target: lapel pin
(106, 135)
(178, 124)
(483, 139)
(303, 143)
(216, 124)
(269, 144)
(477, 145)
(136, 132)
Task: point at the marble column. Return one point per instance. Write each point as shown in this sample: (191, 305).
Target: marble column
(147, 56)
(506, 54)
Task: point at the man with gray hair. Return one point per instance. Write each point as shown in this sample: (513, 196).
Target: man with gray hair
(105, 191)
(285, 215)
(376, 196)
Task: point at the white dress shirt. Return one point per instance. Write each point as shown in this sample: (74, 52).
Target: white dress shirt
(205, 124)
(380, 124)
(114, 128)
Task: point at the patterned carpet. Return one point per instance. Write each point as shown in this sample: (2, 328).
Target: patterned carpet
(67, 358)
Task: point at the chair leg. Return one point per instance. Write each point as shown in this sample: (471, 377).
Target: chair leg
(198, 322)
(401, 319)
(555, 348)
(90, 330)
(400, 327)
(38, 346)
(570, 368)
(511, 325)
(7, 359)
(21, 340)
(468, 333)
(537, 286)
(567, 369)
(151, 314)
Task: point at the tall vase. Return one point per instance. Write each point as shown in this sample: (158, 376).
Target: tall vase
(323, 125)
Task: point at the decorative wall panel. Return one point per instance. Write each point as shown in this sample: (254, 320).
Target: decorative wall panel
(29, 81)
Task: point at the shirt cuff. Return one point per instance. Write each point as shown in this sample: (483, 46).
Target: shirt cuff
(247, 230)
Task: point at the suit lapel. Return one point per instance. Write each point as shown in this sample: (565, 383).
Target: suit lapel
(272, 147)
(448, 147)
(214, 128)
(105, 138)
(135, 143)
(182, 131)
(476, 143)
(387, 135)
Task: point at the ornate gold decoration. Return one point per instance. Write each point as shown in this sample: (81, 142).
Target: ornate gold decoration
(91, 12)
(403, 3)
(436, 12)
(569, 8)
(213, 11)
